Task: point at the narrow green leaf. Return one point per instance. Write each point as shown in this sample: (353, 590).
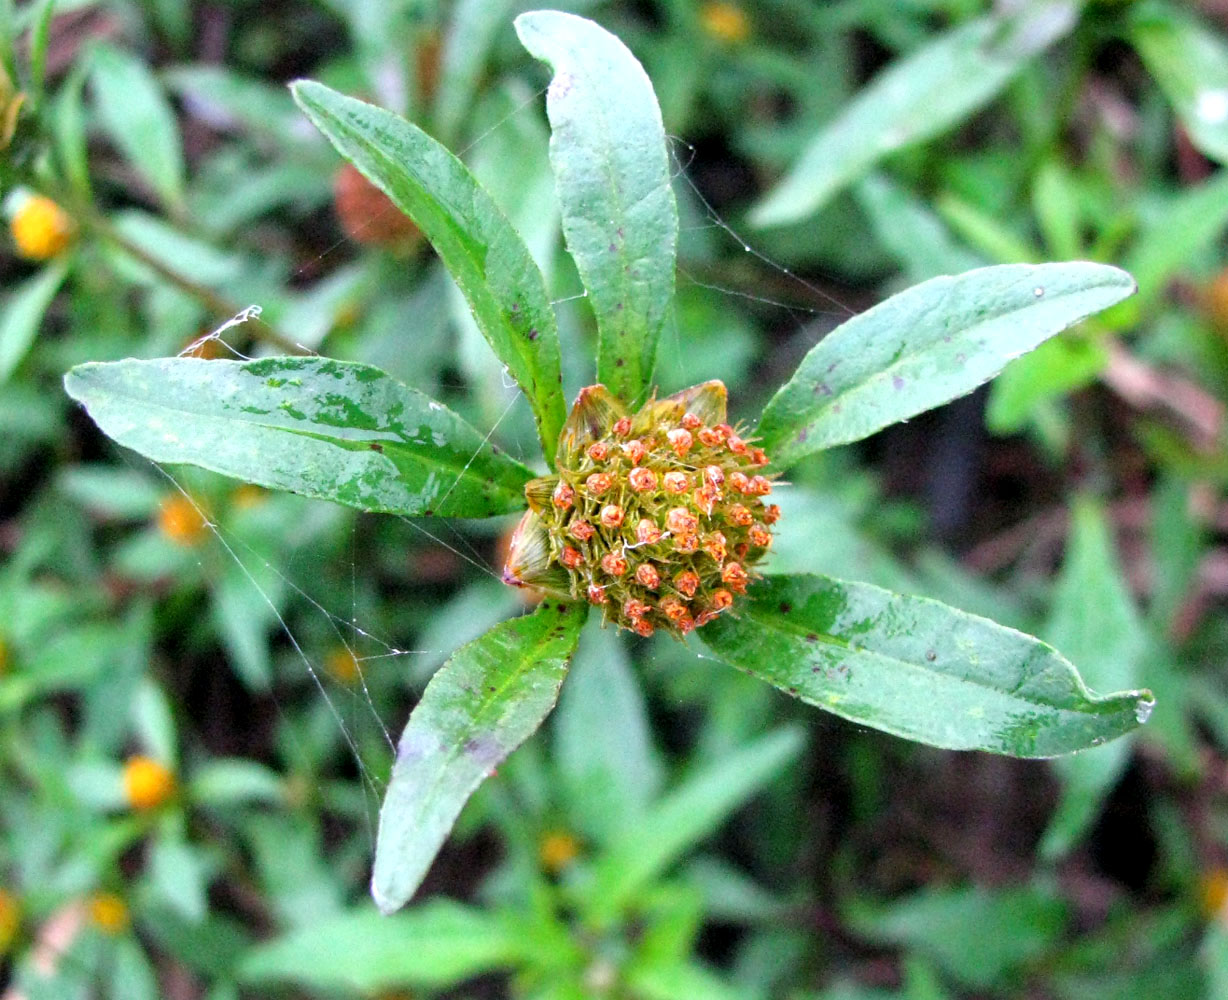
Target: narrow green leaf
(1190, 63)
(917, 97)
(139, 119)
(1095, 623)
(610, 773)
(481, 705)
(977, 935)
(684, 817)
(471, 32)
(611, 167)
(485, 256)
(23, 315)
(918, 669)
(910, 231)
(1056, 367)
(335, 430)
(433, 945)
(926, 346)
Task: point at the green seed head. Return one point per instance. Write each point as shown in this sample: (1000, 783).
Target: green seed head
(658, 517)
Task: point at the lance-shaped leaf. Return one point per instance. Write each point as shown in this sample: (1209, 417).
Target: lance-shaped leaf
(918, 669)
(483, 252)
(335, 430)
(917, 97)
(1190, 63)
(479, 707)
(926, 346)
(434, 945)
(610, 164)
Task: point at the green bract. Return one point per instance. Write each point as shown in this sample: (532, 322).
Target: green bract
(350, 433)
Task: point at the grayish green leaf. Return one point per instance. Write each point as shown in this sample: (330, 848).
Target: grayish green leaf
(482, 704)
(335, 430)
(918, 669)
(611, 167)
(485, 256)
(926, 346)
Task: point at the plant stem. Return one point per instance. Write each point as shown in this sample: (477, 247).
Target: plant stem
(222, 307)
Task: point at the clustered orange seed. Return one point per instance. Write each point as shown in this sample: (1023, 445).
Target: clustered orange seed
(656, 517)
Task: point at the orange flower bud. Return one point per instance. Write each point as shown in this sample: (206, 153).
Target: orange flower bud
(739, 481)
(759, 486)
(721, 599)
(771, 513)
(642, 480)
(635, 609)
(646, 575)
(677, 482)
(614, 563)
(598, 451)
(680, 521)
(759, 536)
(646, 532)
(643, 627)
(611, 515)
(598, 483)
(714, 476)
(622, 427)
(691, 422)
(687, 583)
(680, 440)
(735, 577)
(564, 496)
(714, 545)
(740, 515)
(737, 445)
(686, 543)
(571, 558)
(635, 451)
(581, 530)
(596, 594)
(711, 437)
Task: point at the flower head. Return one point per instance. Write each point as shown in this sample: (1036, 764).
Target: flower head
(147, 783)
(40, 228)
(663, 519)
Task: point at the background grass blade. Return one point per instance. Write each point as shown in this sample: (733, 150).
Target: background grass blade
(610, 164)
(926, 346)
(915, 98)
(918, 669)
(483, 703)
(484, 254)
(329, 429)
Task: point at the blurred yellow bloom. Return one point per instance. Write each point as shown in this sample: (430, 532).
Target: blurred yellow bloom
(248, 495)
(181, 519)
(1213, 892)
(342, 665)
(10, 920)
(109, 912)
(726, 22)
(557, 850)
(147, 783)
(40, 228)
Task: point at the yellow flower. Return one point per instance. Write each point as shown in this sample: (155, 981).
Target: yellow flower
(109, 912)
(726, 22)
(10, 920)
(147, 783)
(181, 519)
(557, 850)
(342, 665)
(40, 228)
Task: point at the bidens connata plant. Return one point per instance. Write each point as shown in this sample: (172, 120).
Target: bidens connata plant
(655, 512)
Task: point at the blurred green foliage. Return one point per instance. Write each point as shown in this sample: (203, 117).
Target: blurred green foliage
(259, 647)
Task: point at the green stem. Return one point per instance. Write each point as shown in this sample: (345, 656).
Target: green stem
(222, 307)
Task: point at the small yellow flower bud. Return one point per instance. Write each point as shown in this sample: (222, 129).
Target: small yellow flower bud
(342, 665)
(724, 21)
(557, 850)
(41, 229)
(10, 920)
(147, 783)
(109, 912)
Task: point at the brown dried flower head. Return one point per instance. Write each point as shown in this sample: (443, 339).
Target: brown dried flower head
(656, 517)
